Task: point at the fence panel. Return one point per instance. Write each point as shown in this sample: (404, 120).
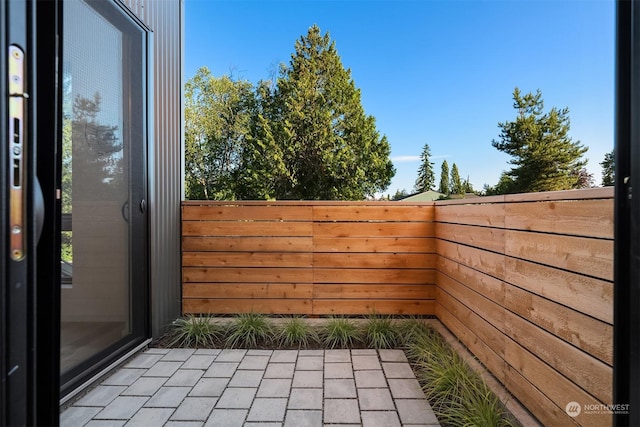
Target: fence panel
(313, 258)
(525, 281)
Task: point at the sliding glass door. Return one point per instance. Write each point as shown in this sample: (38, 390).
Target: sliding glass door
(103, 183)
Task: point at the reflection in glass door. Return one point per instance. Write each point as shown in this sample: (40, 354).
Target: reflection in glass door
(103, 128)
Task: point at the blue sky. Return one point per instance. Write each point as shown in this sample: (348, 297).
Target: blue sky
(436, 72)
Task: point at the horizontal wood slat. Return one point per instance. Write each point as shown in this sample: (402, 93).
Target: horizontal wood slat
(383, 291)
(350, 213)
(247, 259)
(248, 290)
(246, 228)
(373, 229)
(374, 260)
(375, 244)
(247, 213)
(588, 218)
(248, 244)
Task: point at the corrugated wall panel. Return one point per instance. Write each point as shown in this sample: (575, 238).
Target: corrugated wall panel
(165, 18)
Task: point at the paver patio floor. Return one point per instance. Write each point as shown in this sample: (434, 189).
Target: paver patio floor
(290, 388)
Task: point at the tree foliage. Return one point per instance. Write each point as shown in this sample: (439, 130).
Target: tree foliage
(457, 186)
(217, 122)
(331, 148)
(426, 176)
(304, 135)
(608, 169)
(444, 178)
(544, 157)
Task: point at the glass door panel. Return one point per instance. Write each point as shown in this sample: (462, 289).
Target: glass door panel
(102, 164)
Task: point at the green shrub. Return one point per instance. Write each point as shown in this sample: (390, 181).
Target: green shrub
(194, 331)
(248, 330)
(410, 330)
(339, 332)
(295, 332)
(380, 332)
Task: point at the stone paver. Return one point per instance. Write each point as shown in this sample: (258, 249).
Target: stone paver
(236, 398)
(338, 370)
(185, 377)
(274, 387)
(209, 387)
(339, 388)
(397, 370)
(310, 363)
(380, 419)
(194, 409)
(375, 399)
(199, 361)
(370, 379)
(415, 411)
(310, 379)
(221, 369)
(361, 363)
(303, 419)
(305, 398)
(280, 370)
(227, 418)
(267, 409)
(344, 411)
(145, 386)
(235, 387)
(168, 397)
(150, 417)
(405, 388)
(246, 379)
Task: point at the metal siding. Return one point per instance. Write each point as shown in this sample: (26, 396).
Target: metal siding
(165, 19)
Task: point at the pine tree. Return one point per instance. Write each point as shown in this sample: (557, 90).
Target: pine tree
(331, 149)
(608, 169)
(444, 178)
(456, 182)
(544, 156)
(426, 176)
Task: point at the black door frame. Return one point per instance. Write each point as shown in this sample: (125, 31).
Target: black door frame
(626, 363)
(28, 320)
(30, 386)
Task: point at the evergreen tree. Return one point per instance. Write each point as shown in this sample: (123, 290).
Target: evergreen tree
(544, 156)
(331, 149)
(400, 194)
(426, 177)
(608, 169)
(444, 178)
(456, 182)
(468, 188)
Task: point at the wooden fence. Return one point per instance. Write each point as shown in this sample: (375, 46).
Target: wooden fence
(308, 257)
(525, 282)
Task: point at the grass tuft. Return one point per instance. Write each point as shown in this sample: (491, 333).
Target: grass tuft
(380, 332)
(297, 333)
(339, 332)
(194, 331)
(249, 330)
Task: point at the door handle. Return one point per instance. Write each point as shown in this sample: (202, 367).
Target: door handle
(143, 205)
